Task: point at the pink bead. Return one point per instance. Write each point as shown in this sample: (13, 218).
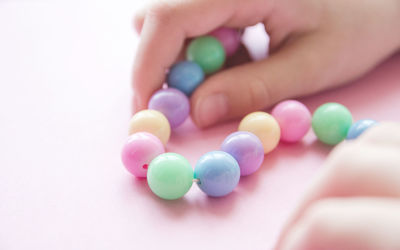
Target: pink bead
(139, 150)
(230, 39)
(294, 118)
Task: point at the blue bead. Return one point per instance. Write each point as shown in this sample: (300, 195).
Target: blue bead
(218, 173)
(185, 76)
(359, 127)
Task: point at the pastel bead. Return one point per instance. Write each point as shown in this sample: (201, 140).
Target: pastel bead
(139, 150)
(151, 121)
(360, 127)
(331, 122)
(264, 126)
(229, 38)
(294, 119)
(247, 150)
(170, 176)
(208, 52)
(185, 76)
(218, 173)
(172, 103)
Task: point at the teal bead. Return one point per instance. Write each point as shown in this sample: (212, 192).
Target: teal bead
(331, 122)
(170, 176)
(207, 52)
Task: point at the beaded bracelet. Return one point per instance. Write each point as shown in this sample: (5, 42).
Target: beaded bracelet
(217, 173)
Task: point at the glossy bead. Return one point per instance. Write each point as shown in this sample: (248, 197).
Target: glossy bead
(229, 38)
(208, 52)
(170, 176)
(331, 122)
(139, 150)
(294, 119)
(359, 127)
(185, 76)
(218, 173)
(151, 121)
(247, 150)
(264, 126)
(173, 104)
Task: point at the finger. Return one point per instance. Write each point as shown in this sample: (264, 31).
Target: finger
(293, 71)
(385, 134)
(353, 170)
(356, 223)
(138, 19)
(168, 24)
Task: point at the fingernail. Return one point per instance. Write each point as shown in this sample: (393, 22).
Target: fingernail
(211, 109)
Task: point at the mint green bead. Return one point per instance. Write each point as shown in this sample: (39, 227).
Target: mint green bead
(170, 176)
(331, 122)
(207, 52)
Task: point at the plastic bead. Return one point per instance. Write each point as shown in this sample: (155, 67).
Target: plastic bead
(173, 104)
(229, 38)
(139, 150)
(247, 150)
(151, 121)
(294, 119)
(208, 52)
(264, 126)
(360, 127)
(185, 76)
(170, 176)
(218, 173)
(331, 122)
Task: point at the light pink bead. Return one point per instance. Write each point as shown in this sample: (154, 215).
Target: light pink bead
(294, 118)
(139, 150)
(230, 39)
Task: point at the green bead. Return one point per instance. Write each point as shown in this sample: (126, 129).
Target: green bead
(170, 176)
(331, 122)
(208, 52)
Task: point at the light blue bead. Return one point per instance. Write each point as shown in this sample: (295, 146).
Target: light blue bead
(218, 173)
(359, 127)
(185, 76)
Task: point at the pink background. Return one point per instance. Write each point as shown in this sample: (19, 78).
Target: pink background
(64, 108)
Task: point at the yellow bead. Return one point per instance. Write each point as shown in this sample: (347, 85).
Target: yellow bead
(151, 121)
(264, 126)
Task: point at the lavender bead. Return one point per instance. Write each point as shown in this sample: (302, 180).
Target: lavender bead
(173, 104)
(247, 150)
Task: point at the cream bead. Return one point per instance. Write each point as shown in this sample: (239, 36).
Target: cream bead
(264, 126)
(151, 121)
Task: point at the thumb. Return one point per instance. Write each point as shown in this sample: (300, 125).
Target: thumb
(292, 71)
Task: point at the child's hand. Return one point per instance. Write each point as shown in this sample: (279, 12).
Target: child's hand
(315, 44)
(355, 201)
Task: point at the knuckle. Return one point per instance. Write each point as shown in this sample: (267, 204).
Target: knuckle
(259, 93)
(316, 217)
(161, 12)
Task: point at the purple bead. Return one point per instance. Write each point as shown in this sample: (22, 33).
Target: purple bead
(229, 38)
(172, 103)
(247, 150)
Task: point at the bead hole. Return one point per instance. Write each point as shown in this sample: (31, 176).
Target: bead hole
(145, 166)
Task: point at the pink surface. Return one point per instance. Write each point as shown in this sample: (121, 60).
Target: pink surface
(65, 105)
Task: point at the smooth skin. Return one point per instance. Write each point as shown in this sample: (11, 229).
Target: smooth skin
(354, 203)
(315, 45)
